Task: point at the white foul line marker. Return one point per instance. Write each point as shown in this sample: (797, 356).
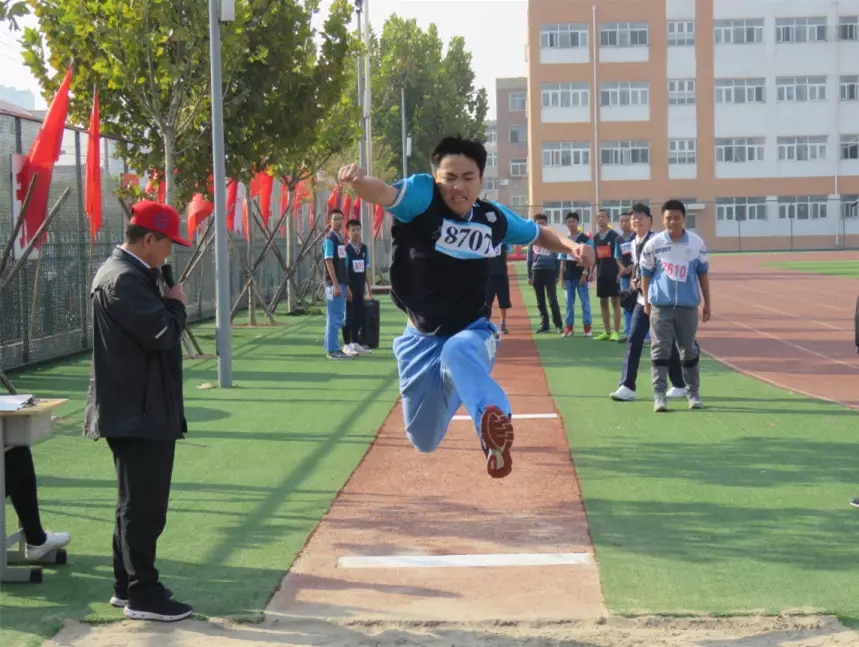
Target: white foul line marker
(521, 416)
(461, 561)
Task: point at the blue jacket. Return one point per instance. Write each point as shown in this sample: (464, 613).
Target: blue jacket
(673, 269)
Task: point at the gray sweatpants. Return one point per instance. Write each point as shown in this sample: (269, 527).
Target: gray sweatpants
(666, 326)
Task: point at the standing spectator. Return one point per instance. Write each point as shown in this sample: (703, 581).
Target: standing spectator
(498, 286)
(336, 285)
(357, 261)
(642, 223)
(674, 265)
(135, 400)
(543, 276)
(623, 255)
(608, 279)
(575, 280)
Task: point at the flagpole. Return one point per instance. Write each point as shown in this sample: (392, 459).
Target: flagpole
(223, 325)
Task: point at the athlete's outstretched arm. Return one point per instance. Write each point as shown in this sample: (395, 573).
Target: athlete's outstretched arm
(527, 232)
(406, 199)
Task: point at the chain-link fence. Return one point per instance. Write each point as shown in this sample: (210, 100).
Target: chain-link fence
(45, 313)
(776, 223)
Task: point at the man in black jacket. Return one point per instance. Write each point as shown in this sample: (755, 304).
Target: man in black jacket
(135, 400)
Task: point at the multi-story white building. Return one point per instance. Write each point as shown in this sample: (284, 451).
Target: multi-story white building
(490, 177)
(746, 109)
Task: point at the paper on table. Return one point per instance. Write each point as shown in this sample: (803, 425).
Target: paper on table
(15, 402)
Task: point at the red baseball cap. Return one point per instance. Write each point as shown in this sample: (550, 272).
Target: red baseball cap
(162, 218)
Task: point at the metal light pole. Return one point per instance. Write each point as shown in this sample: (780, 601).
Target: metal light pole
(362, 143)
(223, 328)
(403, 124)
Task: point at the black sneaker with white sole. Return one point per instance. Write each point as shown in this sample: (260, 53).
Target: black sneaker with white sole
(160, 610)
(855, 502)
(119, 600)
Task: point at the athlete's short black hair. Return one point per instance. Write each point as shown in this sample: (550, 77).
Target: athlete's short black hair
(459, 145)
(541, 216)
(336, 212)
(572, 215)
(640, 208)
(674, 205)
(353, 222)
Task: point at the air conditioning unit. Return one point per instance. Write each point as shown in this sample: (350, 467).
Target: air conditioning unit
(504, 182)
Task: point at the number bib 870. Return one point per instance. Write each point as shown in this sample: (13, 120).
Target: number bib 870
(466, 240)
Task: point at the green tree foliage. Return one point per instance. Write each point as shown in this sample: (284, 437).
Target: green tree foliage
(150, 61)
(11, 10)
(441, 97)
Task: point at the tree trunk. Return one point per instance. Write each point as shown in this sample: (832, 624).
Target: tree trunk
(168, 166)
(291, 296)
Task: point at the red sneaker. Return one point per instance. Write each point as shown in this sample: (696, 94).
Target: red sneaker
(496, 436)
(568, 331)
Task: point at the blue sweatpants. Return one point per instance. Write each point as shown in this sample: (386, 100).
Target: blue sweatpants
(572, 289)
(625, 284)
(335, 317)
(438, 374)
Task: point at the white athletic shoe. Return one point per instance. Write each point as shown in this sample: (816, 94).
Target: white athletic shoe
(349, 351)
(55, 541)
(623, 394)
(359, 348)
(675, 393)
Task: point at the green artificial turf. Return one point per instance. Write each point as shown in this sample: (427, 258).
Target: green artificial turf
(848, 268)
(739, 508)
(261, 465)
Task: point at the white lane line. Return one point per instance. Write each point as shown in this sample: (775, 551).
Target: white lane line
(521, 416)
(464, 561)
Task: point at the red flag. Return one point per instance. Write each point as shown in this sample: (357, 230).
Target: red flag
(356, 209)
(347, 205)
(333, 199)
(378, 220)
(232, 196)
(44, 153)
(262, 185)
(198, 210)
(93, 171)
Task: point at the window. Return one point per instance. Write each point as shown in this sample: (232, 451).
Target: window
(681, 33)
(740, 149)
(565, 95)
(681, 92)
(739, 32)
(805, 207)
(740, 90)
(518, 101)
(681, 151)
(849, 87)
(625, 153)
(519, 201)
(492, 135)
(623, 34)
(850, 147)
(490, 184)
(848, 28)
(801, 149)
(518, 134)
(519, 167)
(624, 94)
(566, 154)
(556, 212)
(849, 208)
(800, 30)
(564, 36)
(800, 89)
(741, 209)
(492, 159)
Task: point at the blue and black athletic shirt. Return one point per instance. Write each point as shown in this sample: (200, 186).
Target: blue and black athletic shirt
(441, 261)
(357, 260)
(334, 249)
(572, 270)
(604, 247)
(623, 248)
